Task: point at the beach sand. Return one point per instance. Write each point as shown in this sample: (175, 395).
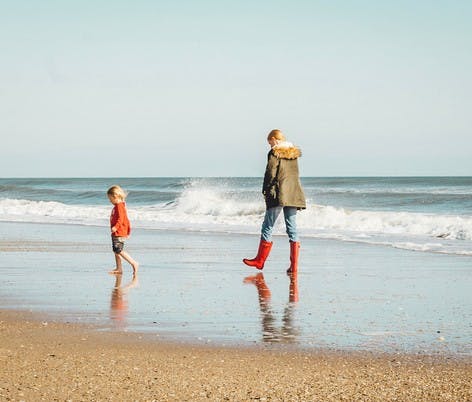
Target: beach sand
(45, 360)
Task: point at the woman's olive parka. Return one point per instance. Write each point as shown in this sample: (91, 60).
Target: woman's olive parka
(282, 185)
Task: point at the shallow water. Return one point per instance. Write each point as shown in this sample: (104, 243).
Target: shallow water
(193, 287)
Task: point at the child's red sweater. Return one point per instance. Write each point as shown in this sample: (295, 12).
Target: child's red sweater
(119, 220)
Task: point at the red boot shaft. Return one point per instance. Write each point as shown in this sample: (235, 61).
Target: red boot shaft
(262, 254)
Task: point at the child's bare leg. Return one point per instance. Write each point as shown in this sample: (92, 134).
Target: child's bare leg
(133, 263)
(118, 265)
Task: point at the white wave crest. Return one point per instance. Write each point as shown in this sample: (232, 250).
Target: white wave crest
(208, 209)
(207, 206)
(203, 201)
(51, 211)
(395, 223)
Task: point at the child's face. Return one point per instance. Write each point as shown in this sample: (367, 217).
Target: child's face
(114, 199)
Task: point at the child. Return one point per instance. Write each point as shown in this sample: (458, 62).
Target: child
(120, 229)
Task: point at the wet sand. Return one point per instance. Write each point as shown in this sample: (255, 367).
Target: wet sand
(45, 360)
(193, 286)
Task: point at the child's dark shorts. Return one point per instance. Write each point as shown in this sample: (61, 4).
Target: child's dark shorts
(118, 243)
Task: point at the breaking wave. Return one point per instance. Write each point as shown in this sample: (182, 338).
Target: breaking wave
(229, 210)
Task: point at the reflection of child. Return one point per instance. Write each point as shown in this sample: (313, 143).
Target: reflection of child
(120, 229)
(119, 302)
(118, 305)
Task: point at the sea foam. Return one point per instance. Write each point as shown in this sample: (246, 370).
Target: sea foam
(395, 223)
(200, 208)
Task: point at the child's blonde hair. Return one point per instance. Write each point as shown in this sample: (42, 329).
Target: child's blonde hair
(117, 191)
(277, 134)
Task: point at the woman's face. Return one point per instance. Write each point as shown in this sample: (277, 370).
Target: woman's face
(272, 142)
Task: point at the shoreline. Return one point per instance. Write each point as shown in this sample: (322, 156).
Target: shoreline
(407, 244)
(46, 318)
(48, 360)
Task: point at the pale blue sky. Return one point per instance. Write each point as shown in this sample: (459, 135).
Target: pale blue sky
(191, 88)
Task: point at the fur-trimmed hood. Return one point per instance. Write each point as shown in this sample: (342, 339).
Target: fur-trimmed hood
(286, 150)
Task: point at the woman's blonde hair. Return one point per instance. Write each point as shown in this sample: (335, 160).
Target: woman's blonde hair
(117, 191)
(277, 134)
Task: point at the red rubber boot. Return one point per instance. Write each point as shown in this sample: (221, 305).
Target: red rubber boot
(262, 254)
(294, 253)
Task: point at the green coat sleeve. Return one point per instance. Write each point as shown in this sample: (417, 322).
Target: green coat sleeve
(269, 188)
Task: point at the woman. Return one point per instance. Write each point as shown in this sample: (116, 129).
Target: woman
(282, 190)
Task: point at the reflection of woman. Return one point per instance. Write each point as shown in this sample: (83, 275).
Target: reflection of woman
(270, 333)
(282, 191)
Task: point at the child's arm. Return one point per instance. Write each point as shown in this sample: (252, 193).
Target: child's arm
(120, 217)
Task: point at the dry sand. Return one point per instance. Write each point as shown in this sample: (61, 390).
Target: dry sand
(44, 360)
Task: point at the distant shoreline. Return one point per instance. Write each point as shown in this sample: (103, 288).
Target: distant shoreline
(234, 177)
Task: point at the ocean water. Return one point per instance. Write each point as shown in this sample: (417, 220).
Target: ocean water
(428, 214)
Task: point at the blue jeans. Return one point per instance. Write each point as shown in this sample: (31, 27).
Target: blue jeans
(271, 215)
